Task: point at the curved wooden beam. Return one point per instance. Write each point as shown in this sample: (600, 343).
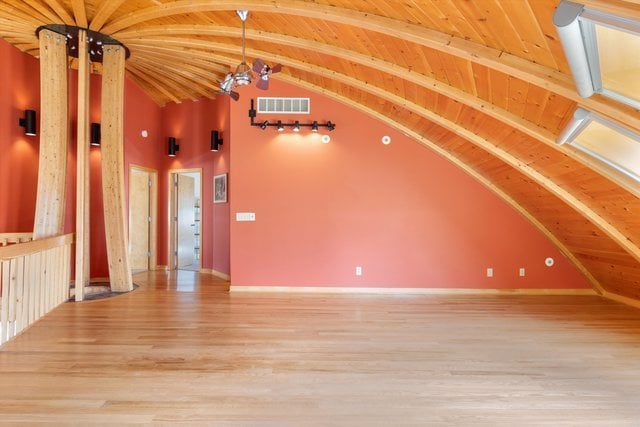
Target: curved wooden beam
(61, 12)
(523, 69)
(80, 13)
(104, 12)
(152, 81)
(426, 82)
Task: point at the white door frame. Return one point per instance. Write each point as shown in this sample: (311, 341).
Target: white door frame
(171, 199)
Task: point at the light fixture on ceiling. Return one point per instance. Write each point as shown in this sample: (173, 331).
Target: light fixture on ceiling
(28, 122)
(95, 134)
(242, 76)
(173, 147)
(216, 141)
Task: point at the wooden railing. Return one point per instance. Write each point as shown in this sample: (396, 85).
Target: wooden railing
(11, 238)
(34, 279)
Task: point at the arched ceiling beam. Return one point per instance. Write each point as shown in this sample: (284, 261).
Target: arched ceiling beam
(536, 74)
(80, 13)
(508, 158)
(429, 83)
(61, 12)
(151, 81)
(104, 12)
(186, 88)
(456, 161)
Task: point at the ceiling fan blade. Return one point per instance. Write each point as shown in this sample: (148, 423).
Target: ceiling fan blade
(262, 84)
(234, 95)
(258, 65)
(276, 68)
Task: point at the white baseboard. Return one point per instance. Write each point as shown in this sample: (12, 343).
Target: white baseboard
(409, 291)
(216, 273)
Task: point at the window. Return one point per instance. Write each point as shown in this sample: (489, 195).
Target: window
(602, 51)
(604, 140)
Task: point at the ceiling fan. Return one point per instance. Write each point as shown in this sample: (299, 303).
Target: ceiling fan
(264, 71)
(243, 74)
(227, 85)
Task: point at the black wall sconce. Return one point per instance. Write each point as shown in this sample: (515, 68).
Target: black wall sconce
(280, 125)
(95, 134)
(216, 141)
(173, 147)
(28, 122)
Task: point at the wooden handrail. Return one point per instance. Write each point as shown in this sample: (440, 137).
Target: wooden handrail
(34, 246)
(6, 238)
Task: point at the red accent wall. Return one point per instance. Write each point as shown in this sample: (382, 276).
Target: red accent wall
(19, 91)
(408, 217)
(191, 123)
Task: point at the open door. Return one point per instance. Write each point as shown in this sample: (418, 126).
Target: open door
(185, 224)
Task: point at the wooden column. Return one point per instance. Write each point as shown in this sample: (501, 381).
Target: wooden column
(113, 168)
(82, 168)
(52, 169)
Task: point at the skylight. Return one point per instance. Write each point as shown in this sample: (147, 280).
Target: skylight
(602, 51)
(604, 140)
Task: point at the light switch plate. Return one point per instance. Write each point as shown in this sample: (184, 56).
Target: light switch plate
(245, 216)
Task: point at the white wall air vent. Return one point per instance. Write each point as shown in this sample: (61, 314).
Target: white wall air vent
(284, 105)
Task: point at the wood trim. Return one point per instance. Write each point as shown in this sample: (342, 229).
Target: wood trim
(408, 291)
(622, 299)
(52, 166)
(216, 273)
(113, 168)
(27, 248)
(82, 166)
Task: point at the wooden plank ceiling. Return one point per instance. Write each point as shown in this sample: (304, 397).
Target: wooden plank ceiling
(483, 83)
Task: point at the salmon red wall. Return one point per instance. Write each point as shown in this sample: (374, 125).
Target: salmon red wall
(19, 91)
(408, 217)
(191, 123)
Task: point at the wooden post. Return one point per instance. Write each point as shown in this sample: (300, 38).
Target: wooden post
(113, 168)
(82, 167)
(52, 169)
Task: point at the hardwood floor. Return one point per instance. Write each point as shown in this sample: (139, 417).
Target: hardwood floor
(182, 349)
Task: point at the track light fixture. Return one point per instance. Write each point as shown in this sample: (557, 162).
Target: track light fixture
(95, 134)
(216, 141)
(295, 126)
(28, 122)
(173, 147)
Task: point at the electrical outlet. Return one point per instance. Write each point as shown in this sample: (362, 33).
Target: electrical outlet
(521, 271)
(489, 272)
(358, 271)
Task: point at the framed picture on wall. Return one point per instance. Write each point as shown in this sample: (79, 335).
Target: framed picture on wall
(220, 188)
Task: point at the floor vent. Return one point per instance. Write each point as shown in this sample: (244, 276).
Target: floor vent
(284, 105)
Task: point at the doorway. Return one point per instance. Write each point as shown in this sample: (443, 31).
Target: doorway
(184, 225)
(143, 202)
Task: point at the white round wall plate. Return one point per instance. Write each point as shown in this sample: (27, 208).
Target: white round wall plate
(549, 262)
(386, 140)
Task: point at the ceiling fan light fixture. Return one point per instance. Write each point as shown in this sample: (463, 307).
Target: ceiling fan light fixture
(242, 75)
